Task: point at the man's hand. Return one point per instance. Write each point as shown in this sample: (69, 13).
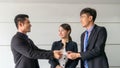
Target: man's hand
(72, 55)
(57, 54)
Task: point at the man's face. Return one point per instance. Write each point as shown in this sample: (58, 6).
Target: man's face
(85, 20)
(25, 26)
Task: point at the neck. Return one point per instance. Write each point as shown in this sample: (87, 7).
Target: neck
(90, 25)
(21, 31)
(65, 40)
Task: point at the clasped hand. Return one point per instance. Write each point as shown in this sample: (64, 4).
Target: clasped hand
(70, 55)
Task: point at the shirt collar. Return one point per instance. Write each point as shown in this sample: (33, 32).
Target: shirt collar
(89, 30)
(22, 35)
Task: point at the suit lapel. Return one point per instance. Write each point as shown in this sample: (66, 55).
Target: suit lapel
(91, 35)
(82, 41)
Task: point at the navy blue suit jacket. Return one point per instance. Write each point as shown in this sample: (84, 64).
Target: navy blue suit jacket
(26, 53)
(95, 54)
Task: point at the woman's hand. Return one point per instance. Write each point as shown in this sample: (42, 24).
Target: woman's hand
(73, 55)
(58, 66)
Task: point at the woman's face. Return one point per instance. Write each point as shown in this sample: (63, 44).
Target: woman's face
(63, 33)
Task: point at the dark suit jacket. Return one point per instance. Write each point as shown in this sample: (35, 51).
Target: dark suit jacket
(70, 46)
(26, 53)
(95, 54)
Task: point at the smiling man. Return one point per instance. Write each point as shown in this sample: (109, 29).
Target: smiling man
(93, 41)
(25, 52)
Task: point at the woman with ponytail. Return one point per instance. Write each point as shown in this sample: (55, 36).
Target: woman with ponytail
(65, 45)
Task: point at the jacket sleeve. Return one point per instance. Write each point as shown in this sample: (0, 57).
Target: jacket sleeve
(24, 48)
(99, 44)
(74, 63)
(54, 62)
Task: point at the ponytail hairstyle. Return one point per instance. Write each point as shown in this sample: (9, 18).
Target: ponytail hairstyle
(67, 27)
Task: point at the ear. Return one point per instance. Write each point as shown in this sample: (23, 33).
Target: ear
(69, 31)
(90, 18)
(20, 24)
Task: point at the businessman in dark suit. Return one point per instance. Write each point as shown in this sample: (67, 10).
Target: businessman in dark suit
(24, 50)
(93, 41)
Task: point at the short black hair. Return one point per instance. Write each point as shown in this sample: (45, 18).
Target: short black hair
(89, 11)
(20, 17)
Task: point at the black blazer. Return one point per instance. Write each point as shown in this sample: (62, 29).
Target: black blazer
(26, 53)
(70, 46)
(95, 54)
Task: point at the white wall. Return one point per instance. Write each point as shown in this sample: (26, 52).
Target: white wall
(46, 18)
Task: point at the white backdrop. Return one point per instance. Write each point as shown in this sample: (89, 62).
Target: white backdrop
(45, 20)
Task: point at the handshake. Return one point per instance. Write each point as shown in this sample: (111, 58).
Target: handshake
(70, 55)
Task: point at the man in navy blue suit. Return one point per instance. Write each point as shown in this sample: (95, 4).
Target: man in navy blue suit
(93, 41)
(25, 52)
